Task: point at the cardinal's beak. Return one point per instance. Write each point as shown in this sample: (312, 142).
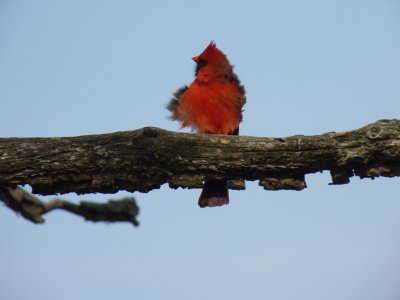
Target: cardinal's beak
(196, 59)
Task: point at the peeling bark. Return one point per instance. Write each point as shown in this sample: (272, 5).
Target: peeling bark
(144, 159)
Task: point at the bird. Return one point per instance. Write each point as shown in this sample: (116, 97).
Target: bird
(211, 104)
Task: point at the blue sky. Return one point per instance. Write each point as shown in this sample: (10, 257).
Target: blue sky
(84, 67)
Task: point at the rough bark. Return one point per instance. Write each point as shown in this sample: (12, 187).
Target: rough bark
(33, 209)
(144, 159)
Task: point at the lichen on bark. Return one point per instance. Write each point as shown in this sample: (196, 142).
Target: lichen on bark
(144, 159)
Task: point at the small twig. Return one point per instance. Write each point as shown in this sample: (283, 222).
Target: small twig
(32, 208)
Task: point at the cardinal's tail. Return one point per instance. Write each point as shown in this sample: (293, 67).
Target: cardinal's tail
(215, 193)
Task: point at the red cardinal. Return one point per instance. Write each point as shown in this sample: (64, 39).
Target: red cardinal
(211, 104)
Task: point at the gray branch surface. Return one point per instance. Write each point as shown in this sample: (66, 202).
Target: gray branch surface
(144, 159)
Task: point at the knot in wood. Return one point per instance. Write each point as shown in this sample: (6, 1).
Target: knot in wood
(374, 132)
(392, 150)
(151, 132)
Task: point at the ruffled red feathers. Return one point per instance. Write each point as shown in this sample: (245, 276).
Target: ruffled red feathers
(213, 102)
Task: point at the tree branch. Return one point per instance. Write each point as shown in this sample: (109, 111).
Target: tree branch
(32, 208)
(144, 159)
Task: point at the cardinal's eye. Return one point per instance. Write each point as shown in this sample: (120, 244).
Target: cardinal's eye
(200, 64)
